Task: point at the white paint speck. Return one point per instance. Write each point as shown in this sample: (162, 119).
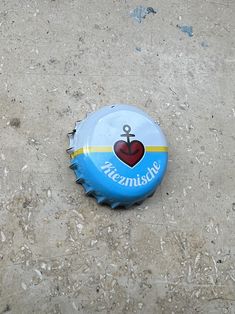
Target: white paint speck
(197, 259)
(23, 285)
(49, 193)
(140, 305)
(79, 227)
(3, 236)
(36, 13)
(38, 273)
(161, 244)
(71, 239)
(93, 107)
(189, 273)
(29, 215)
(215, 266)
(5, 172)
(210, 226)
(24, 167)
(93, 242)
(81, 216)
(43, 265)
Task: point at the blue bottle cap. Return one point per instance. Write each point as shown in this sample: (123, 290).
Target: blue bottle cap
(119, 155)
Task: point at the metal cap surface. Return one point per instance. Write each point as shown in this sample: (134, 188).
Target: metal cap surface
(119, 155)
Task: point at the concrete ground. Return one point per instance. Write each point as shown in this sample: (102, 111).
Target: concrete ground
(59, 251)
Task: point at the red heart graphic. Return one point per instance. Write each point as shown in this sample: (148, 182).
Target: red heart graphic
(130, 153)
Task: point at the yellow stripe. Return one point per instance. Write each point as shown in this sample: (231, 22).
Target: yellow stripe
(109, 149)
(156, 149)
(92, 149)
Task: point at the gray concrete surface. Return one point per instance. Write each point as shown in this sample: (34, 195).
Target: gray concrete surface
(59, 251)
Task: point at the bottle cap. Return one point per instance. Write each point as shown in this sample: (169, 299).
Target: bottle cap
(119, 155)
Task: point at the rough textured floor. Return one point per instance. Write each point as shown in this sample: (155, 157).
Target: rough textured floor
(59, 251)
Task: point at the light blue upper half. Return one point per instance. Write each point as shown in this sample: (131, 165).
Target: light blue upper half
(103, 128)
